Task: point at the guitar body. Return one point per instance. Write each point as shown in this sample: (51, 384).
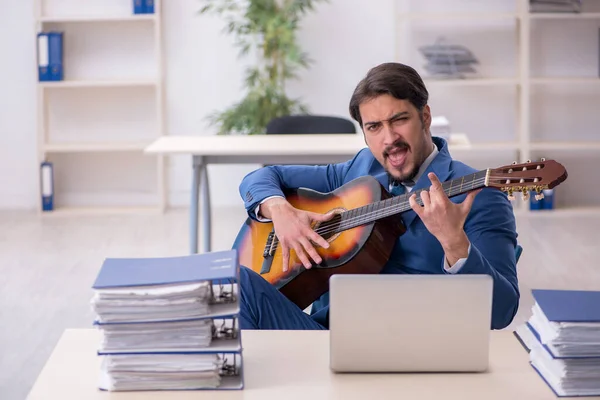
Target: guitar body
(362, 249)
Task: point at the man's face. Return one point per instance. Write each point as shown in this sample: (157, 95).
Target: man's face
(395, 134)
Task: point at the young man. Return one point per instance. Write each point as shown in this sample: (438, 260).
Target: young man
(468, 234)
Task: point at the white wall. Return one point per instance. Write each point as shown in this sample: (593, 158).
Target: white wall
(344, 37)
(18, 165)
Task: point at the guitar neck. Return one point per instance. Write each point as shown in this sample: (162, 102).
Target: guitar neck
(398, 204)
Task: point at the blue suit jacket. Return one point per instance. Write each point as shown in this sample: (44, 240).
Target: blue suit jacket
(490, 226)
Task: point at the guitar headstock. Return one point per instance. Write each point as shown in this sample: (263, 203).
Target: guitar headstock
(527, 177)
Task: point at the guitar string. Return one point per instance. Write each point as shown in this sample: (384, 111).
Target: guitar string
(328, 226)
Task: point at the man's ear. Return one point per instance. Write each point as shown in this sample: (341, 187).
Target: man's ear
(426, 117)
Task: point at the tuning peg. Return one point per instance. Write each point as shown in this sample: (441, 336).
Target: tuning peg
(525, 195)
(542, 159)
(528, 161)
(514, 162)
(511, 197)
(539, 196)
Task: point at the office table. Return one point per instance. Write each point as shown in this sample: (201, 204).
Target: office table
(256, 149)
(295, 365)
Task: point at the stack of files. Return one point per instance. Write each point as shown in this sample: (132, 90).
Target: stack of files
(563, 340)
(568, 6)
(169, 323)
(447, 60)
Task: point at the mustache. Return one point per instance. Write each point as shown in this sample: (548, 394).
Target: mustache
(398, 144)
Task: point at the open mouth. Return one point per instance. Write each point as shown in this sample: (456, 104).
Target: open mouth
(397, 156)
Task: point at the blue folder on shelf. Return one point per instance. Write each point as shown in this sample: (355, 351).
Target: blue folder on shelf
(148, 6)
(138, 6)
(50, 56)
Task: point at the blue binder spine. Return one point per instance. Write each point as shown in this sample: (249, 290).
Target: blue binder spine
(43, 56)
(47, 186)
(548, 199)
(55, 45)
(148, 6)
(138, 6)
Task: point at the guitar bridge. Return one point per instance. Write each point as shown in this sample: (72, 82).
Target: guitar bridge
(268, 253)
(269, 246)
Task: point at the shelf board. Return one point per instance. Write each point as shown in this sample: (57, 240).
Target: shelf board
(492, 146)
(98, 83)
(68, 211)
(569, 146)
(94, 147)
(458, 16)
(558, 15)
(557, 212)
(556, 80)
(471, 81)
(99, 18)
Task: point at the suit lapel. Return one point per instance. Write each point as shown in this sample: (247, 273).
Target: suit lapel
(440, 166)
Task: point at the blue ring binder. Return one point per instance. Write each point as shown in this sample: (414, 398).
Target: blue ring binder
(142, 307)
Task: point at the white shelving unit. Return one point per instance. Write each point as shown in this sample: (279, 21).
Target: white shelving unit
(546, 66)
(94, 125)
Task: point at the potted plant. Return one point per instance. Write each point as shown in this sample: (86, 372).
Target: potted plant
(267, 28)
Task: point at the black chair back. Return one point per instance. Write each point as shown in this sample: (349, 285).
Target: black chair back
(305, 124)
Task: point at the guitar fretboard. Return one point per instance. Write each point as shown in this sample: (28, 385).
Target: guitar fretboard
(398, 204)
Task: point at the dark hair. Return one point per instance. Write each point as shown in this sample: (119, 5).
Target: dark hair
(397, 80)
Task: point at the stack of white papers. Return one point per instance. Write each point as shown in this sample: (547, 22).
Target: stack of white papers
(156, 336)
(161, 372)
(152, 303)
(563, 339)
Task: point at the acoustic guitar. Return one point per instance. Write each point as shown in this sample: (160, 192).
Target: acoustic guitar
(366, 226)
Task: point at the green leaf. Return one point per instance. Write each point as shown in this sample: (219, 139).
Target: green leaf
(267, 29)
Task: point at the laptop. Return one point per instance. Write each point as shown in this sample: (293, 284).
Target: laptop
(410, 323)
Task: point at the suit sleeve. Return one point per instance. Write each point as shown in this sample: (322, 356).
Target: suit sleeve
(491, 229)
(274, 180)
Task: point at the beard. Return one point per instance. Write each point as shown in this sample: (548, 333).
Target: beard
(399, 145)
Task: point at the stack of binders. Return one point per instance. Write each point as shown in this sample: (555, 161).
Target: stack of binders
(169, 323)
(563, 340)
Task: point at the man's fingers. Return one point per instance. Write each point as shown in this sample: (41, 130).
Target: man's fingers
(301, 255)
(285, 254)
(308, 247)
(425, 198)
(412, 200)
(322, 217)
(435, 182)
(468, 202)
(317, 238)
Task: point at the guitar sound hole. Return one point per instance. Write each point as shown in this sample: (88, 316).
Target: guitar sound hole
(330, 229)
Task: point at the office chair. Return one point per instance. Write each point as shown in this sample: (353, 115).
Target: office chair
(306, 124)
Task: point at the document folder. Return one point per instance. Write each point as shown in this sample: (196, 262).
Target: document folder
(562, 337)
(169, 323)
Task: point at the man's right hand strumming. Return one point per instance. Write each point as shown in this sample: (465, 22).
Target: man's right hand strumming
(293, 228)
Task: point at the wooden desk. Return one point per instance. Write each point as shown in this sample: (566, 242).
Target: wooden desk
(257, 149)
(288, 365)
